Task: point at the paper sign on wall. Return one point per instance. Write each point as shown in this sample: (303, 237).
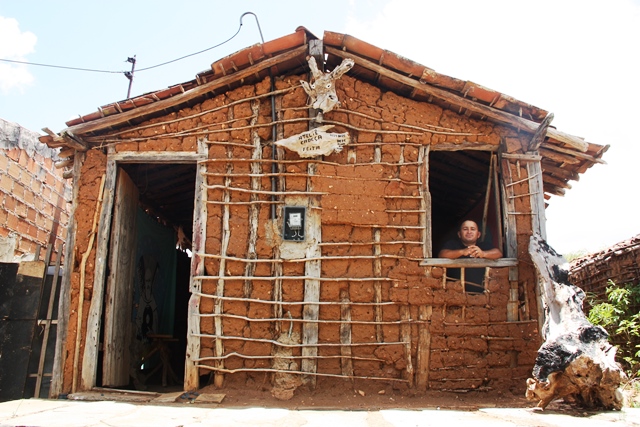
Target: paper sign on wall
(316, 142)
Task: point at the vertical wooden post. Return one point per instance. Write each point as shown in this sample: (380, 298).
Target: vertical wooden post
(191, 371)
(120, 285)
(218, 309)
(425, 202)
(512, 304)
(487, 200)
(312, 268)
(405, 331)
(424, 346)
(276, 268)
(497, 204)
(64, 300)
(377, 286)
(47, 321)
(508, 215)
(90, 355)
(536, 194)
(345, 334)
(254, 208)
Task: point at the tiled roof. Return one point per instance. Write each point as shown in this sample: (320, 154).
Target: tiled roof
(565, 156)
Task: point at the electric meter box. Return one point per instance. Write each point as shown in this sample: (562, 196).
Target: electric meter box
(294, 223)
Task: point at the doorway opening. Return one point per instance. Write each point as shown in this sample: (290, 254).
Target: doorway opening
(144, 317)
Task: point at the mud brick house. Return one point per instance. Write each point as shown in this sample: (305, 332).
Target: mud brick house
(307, 269)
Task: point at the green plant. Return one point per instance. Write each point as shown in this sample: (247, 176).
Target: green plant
(570, 256)
(620, 317)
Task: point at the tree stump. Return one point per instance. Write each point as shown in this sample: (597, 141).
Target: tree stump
(576, 362)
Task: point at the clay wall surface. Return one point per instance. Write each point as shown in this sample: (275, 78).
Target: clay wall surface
(372, 243)
(367, 202)
(33, 195)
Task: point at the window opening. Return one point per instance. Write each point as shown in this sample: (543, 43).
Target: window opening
(462, 187)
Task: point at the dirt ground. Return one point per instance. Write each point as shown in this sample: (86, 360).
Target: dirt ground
(364, 396)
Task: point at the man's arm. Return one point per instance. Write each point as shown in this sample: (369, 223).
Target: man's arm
(454, 253)
(494, 253)
(471, 251)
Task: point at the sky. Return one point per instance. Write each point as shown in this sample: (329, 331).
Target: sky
(579, 59)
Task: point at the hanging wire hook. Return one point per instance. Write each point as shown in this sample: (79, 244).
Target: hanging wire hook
(257, 22)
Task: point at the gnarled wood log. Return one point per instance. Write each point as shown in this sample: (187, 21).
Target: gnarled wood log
(576, 362)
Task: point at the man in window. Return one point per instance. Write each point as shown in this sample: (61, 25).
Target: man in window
(468, 246)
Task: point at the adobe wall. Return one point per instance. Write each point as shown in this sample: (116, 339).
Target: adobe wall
(365, 189)
(33, 195)
(368, 208)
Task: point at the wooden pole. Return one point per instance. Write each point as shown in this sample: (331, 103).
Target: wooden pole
(254, 209)
(47, 319)
(405, 331)
(191, 371)
(424, 346)
(226, 234)
(487, 199)
(345, 334)
(425, 202)
(83, 266)
(62, 328)
(377, 285)
(498, 241)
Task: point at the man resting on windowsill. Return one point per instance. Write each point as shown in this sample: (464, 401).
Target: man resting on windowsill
(467, 246)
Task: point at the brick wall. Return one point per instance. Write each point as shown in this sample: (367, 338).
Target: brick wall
(33, 194)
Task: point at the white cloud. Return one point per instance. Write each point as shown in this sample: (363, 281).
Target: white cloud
(16, 45)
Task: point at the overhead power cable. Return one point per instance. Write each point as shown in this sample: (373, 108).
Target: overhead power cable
(60, 66)
(138, 70)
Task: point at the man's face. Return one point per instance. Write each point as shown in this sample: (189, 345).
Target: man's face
(469, 233)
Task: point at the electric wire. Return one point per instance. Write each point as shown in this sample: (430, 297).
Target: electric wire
(138, 70)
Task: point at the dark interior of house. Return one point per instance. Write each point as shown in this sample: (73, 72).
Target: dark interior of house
(458, 183)
(166, 200)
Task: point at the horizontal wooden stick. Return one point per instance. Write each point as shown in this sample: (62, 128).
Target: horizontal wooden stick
(318, 374)
(269, 193)
(280, 344)
(272, 356)
(347, 257)
(306, 175)
(232, 258)
(322, 279)
(307, 160)
(294, 320)
(255, 202)
(381, 120)
(410, 227)
(470, 262)
(272, 302)
(504, 322)
(321, 258)
(396, 242)
(511, 184)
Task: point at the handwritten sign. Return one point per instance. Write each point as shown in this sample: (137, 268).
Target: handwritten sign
(316, 142)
